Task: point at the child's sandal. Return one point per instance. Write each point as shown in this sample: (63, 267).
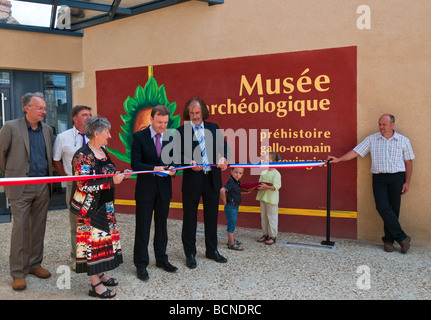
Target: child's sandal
(235, 246)
(262, 238)
(271, 240)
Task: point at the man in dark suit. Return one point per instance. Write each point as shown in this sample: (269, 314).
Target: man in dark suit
(26, 150)
(153, 193)
(201, 143)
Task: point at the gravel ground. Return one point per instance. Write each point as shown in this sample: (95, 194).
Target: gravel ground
(297, 267)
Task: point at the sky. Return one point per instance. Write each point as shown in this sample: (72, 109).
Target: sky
(31, 13)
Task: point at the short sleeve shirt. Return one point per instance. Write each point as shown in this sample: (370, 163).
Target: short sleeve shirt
(65, 146)
(270, 196)
(387, 155)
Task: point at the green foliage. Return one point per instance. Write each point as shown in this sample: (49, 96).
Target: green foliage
(149, 96)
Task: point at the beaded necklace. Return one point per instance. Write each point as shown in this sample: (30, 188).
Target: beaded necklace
(98, 153)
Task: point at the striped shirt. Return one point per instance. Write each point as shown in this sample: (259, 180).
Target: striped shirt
(387, 155)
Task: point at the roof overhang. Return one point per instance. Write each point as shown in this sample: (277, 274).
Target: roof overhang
(70, 17)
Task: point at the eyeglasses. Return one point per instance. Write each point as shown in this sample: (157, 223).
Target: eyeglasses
(38, 108)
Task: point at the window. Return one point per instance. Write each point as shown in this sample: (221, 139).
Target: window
(4, 96)
(58, 102)
(4, 78)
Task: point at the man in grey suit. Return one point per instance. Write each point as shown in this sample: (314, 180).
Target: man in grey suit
(26, 151)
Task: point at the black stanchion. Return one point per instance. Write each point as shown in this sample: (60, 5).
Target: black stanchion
(328, 241)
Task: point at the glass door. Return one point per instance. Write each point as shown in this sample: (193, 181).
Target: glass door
(4, 97)
(57, 97)
(56, 88)
(5, 105)
(5, 215)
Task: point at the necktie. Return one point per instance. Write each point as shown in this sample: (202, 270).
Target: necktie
(158, 144)
(201, 140)
(83, 138)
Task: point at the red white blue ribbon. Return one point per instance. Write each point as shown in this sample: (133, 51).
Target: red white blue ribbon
(281, 165)
(265, 165)
(51, 179)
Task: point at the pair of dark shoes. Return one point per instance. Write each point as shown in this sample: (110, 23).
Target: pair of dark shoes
(267, 239)
(216, 256)
(142, 273)
(405, 245)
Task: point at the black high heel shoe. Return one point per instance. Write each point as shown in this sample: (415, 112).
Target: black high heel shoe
(104, 295)
(111, 282)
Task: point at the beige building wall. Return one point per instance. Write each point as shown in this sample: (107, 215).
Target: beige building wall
(40, 51)
(393, 66)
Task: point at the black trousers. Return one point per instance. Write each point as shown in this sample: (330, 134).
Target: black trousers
(387, 195)
(210, 200)
(144, 215)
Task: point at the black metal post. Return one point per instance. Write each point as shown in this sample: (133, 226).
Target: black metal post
(328, 242)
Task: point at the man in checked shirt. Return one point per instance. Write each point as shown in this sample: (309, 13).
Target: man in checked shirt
(391, 166)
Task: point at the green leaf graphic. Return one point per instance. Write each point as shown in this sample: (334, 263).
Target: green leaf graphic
(149, 96)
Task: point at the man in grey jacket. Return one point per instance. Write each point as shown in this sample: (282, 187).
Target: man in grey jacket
(26, 151)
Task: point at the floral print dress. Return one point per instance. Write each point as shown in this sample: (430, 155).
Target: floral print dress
(98, 247)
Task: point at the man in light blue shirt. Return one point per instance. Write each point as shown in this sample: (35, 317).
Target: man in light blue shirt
(391, 166)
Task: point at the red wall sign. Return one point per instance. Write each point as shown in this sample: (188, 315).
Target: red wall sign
(299, 104)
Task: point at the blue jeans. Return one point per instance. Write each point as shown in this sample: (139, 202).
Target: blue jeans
(231, 212)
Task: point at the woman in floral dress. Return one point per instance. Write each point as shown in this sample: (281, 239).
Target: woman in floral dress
(98, 247)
